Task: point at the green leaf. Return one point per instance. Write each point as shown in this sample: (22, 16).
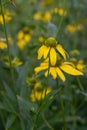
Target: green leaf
(10, 94)
(10, 121)
(4, 106)
(26, 107)
(83, 93)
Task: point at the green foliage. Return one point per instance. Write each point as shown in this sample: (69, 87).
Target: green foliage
(65, 106)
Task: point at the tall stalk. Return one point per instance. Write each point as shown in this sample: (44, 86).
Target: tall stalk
(8, 48)
(62, 18)
(11, 68)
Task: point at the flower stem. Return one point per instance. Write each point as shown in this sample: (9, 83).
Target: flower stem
(63, 112)
(11, 68)
(79, 83)
(46, 122)
(8, 48)
(62, 18)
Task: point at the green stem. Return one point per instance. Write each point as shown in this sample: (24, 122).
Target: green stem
(47, 123)
(63, 112)
(11, 68)
(61, 20)
(8, 48)
(79, 83)
(35, 120)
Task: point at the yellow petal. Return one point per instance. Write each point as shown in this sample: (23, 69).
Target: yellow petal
(53, 72)
(46, 73)
(70, 69)
(46, 51)
(53, 56)
(41, 52)
(60, 74)
(44, 64)
(61, 51)
(40, 68)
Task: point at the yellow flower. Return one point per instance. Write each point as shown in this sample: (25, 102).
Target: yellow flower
(7, 15)
(41, 39)
(49, 50)
(78, 64)
(3, 45)
(15, 62)
(72, 28)
(45, 17)
(45, 2)
(39, 92)
(57, 69)
(23, 38)
(1, 19)
(59, 11)
(21, 44)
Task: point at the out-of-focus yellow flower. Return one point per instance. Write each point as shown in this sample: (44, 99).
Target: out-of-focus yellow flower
(38, 93)
(59, 11)
(7, 15)
(56, 70)
(23, 38)
(72, 28)
(3, 45)
(45, 2)
(15, 62)
(1, 19)
(49, 50)
(78, 64)
(41, 39)
(43, 16)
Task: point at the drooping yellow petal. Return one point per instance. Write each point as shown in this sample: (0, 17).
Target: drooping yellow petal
(46, 73)
(61, 51)
(44, 64)
(53, 56)
(40, 68)
(70, 69)
(41, 52)
(46, 51)
(53, 72)
(60, 74)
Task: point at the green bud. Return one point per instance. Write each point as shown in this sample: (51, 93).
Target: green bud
(51, 41)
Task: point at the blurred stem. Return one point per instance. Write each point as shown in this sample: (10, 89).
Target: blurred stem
(11, 68)
(8, 48)
(63, 112)
(62, 107)
(35, 120)
(46, 122)
(79, 83)
(62, 18)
